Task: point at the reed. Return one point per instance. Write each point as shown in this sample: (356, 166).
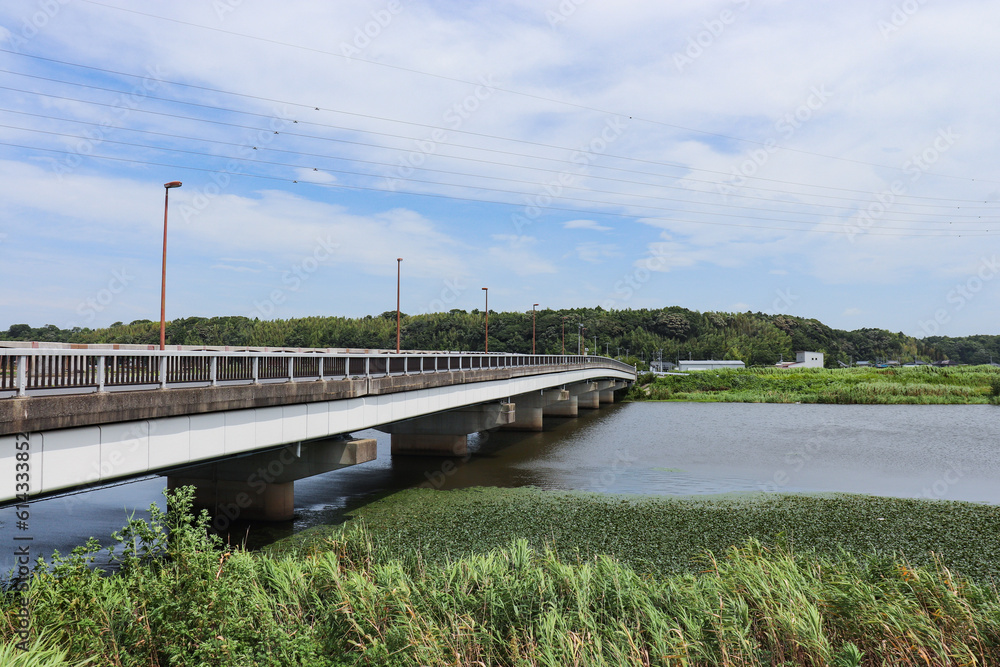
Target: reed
(870, 386)
(354, 597)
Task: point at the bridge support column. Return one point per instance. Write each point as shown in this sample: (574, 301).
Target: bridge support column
(260, 486)
(446, 433)
(608, 392)
(530, 408)
(571, 406)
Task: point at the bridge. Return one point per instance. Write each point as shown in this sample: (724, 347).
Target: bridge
(242, 425)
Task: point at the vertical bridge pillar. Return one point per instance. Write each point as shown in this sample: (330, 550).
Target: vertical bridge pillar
(446, 433)
(531, 408)
(260, 485)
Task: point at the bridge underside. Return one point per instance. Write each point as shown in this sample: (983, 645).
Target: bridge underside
(222, 436)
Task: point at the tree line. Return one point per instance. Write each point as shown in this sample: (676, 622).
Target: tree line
(640, 335)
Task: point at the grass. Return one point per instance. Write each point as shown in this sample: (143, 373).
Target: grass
(923, 385)
(490, 586)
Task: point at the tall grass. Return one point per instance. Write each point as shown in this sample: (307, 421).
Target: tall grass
(923, 385)
(352, 599)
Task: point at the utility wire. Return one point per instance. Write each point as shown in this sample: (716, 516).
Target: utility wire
(476, 187)
(842, 229)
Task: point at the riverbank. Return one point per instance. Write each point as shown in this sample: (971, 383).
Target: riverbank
(853, 386)
(530, 577)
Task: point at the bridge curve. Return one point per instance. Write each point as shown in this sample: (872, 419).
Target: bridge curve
(90, 416)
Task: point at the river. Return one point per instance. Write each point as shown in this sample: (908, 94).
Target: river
(947, 452)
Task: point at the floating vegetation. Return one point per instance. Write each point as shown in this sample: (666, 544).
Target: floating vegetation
(526, 577)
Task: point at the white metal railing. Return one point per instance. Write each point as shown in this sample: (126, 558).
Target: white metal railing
(33, 371)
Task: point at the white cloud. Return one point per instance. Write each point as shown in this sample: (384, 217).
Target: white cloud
(586, 224)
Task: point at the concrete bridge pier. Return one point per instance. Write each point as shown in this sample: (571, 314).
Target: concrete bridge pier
(446, 433)
(530, 409)
(571, 406)
(591, 400)
(608, 394)
(261, 486)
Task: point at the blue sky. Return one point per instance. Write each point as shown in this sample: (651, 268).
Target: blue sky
(828, 160)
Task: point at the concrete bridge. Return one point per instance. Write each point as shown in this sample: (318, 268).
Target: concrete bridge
(243, 425)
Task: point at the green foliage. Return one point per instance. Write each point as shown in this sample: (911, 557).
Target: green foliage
(528, 577)
(755, 338)
(920, 385)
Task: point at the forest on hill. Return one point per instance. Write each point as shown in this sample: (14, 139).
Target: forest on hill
(755, 338)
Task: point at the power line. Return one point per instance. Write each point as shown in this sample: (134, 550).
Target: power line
(514, 92)
(477, 187)
(486, 201)
(489, 150)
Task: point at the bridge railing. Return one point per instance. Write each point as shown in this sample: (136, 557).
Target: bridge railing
(26, 372)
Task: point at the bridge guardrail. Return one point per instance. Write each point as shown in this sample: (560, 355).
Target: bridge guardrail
(34, 371)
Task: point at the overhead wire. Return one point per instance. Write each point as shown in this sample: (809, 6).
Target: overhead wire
(842, 228)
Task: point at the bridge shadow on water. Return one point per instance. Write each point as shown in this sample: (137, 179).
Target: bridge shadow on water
(495, 458)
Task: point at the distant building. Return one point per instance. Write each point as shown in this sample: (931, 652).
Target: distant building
(661, 367)
(708, 365)
(803, 360)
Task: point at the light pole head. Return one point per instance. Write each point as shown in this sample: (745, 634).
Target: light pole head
(399, 259)
(485, 288)
(533, 305)
(172, 184)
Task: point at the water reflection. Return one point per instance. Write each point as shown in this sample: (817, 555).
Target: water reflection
(950, 452)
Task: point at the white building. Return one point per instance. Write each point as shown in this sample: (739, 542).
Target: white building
(708, 365)
(804, 360)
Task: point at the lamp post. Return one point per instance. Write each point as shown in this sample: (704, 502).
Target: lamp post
(579, 338)
(399, 263)
(564, 333)
(487, 290)
(163, 276)
(533, 327)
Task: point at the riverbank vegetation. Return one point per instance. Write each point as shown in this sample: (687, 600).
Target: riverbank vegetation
(635, 335)
(920, 385)
(525, 577)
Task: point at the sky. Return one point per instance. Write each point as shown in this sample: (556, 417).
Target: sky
(831, 160)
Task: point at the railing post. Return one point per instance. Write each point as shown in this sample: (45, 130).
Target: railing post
(213, 371)
(163, 371)
(22, 375)
(291, 369)
(100, 373)
(368, 366)
(321, 368)
(256, 370)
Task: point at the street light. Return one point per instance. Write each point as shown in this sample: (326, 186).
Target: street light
(579, 338)
(399, 262)
(533, 327)
(487, 290)
(564, 332)
(163, 277)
